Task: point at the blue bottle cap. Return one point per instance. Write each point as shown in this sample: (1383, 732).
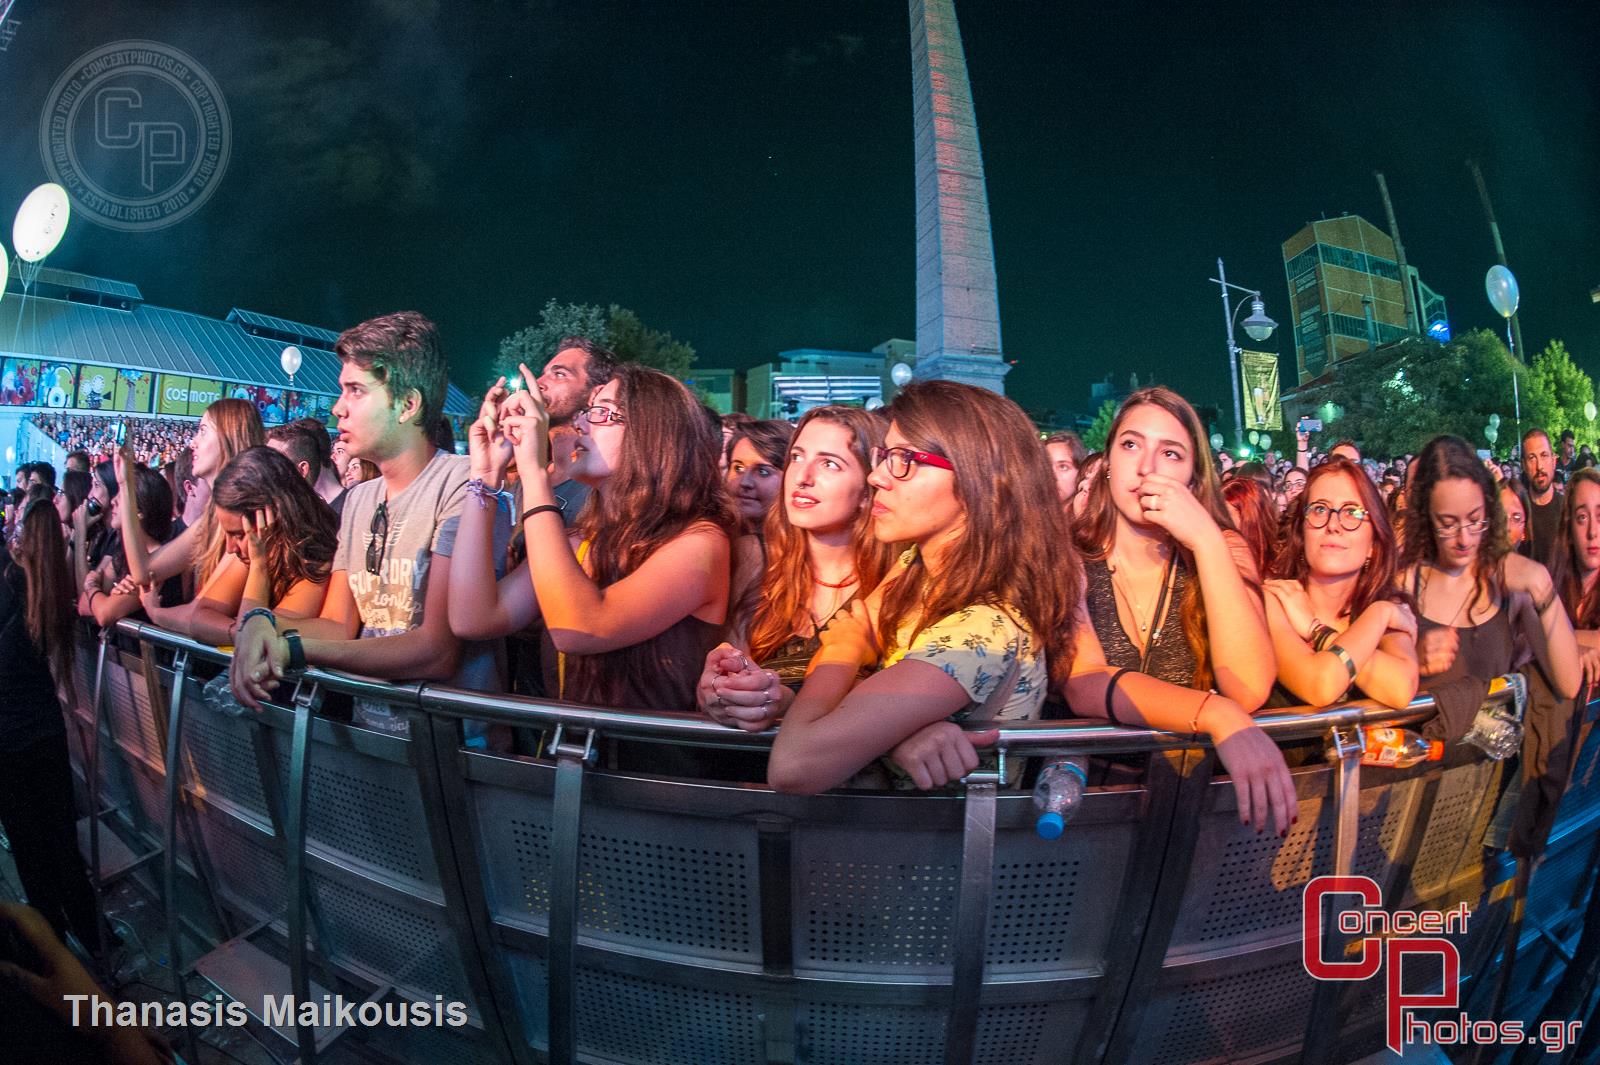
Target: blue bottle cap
(1050, 825)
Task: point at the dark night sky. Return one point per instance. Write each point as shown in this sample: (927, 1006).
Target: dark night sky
(741, 174)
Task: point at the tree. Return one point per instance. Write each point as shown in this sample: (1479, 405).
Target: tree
(1566, 390)
(616, 327)
(1396, 398)
(1094, 437)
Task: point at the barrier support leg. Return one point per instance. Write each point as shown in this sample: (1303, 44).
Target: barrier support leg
(445, 806)
(1322, 1018)
(169, 865)
(972, 915)
(91, 757)
(295, 852)
(566, 844)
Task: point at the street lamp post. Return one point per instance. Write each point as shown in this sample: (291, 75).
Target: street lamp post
(1257, 326)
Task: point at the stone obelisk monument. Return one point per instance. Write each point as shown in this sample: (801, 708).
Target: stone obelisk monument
(958, 309)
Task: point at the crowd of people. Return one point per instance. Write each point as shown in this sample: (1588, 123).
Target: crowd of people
(155, 441)
(874, 584)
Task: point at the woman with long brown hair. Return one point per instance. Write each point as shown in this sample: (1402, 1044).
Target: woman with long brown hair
(974, 622)
(638, 595)
(1575, 563)
(1167, 572)
(280, 538)
(821, 557)
(1167, 575)
(228, 427)
(37, 647)
(1459, 568)
(1255, 516)
(1337, 619)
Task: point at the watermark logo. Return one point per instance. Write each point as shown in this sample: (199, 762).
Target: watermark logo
(1384, 940)
(137, 133)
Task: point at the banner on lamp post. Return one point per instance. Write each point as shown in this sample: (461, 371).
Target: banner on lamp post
(1258, 382)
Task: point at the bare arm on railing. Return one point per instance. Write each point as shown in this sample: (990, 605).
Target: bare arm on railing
(836, 727)
(1566, 663)
(1260, 775)
(166, 561)
(428, 652)
(1381, 643)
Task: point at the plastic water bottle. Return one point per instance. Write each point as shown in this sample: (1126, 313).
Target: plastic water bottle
(1399, 748)
(1057, 795)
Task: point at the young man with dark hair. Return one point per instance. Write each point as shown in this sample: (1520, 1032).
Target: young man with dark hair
(578, 367)
(1544, 516)
(293, 443)
(41, 473)
(384, 615)
(327, 483)
(78, 460)
(1567, 459)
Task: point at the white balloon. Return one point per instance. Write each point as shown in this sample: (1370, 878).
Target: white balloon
(1265, 442)
(1502, 289)
(1255, 436)
(1216, 441)
(1589, 410)
(875, 403)
(290, 360)
(41, 222)
(900, 374)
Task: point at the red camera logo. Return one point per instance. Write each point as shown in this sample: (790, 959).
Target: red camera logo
(1386, 941)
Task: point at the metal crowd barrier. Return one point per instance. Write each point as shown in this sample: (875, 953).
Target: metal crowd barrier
(588, 915)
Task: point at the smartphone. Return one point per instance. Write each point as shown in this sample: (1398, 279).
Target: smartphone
(1309, 425)
(122, 433)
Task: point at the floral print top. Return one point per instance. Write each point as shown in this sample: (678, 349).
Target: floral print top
(976, 646)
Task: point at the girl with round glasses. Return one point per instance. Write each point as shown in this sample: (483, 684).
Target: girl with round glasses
(1336, 618)
(634, 598)
(973, 623)
(821, 558)
(1467, 583)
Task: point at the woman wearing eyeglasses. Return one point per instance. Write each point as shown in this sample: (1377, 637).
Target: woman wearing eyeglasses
(637, 596)
(975, 620)
(1460, 570)
(1336, 618)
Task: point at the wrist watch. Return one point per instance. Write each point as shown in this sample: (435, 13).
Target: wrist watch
(297, 652)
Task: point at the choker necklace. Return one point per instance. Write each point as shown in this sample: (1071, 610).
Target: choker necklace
(852, 579)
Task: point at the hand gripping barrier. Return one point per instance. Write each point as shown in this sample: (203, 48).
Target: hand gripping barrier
(588, 915)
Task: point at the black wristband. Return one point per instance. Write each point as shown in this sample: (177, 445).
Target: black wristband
(1111, 690)
(542, 508)
(297, 651)
(259, 611)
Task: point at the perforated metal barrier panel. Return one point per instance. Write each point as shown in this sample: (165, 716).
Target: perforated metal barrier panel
(723, 923)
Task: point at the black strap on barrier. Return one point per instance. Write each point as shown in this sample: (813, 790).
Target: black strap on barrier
(566, 844)
(972, 916)
(1319, 1040)
(169, 867)
(295, 847)
(91, 757)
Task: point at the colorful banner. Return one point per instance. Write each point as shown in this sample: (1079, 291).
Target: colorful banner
(1258, 373)
(202, 393)
(133, 389)
(96, 388)
(268, 401)
(58, 384)
(172, 395)
(19, 382)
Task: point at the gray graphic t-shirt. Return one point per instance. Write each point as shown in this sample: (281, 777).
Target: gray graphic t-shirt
(422, 521)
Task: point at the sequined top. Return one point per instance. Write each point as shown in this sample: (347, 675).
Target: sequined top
(1171, 658)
